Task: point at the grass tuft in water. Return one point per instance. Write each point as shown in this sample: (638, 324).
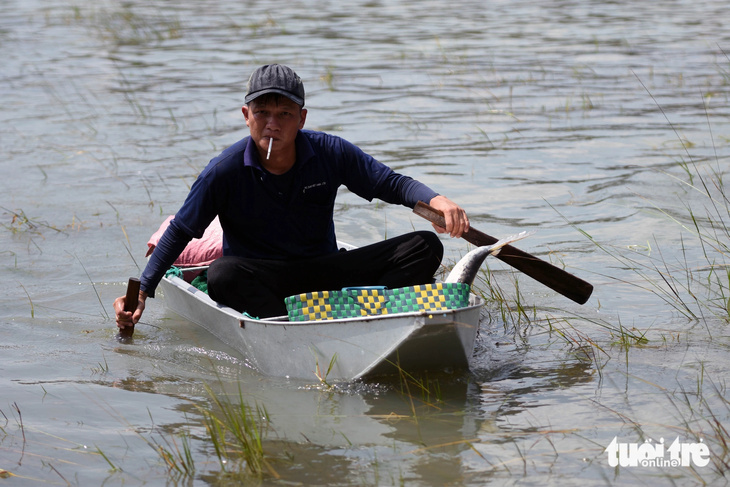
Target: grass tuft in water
(102, 369)
(236, 431)
(177, 458)
(20, 222)
(511, 305)
(428, 389)
(318, 372)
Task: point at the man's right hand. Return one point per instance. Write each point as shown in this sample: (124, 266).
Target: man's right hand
(128, 318)
(456, 220)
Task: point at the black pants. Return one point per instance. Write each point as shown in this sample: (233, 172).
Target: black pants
(260, 286)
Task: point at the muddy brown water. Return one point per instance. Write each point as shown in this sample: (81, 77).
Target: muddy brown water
(607, 115)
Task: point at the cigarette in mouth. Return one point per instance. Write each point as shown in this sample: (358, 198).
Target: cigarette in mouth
(268, 154)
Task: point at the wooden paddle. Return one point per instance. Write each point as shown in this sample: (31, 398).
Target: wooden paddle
(130, 304)
(553, 277)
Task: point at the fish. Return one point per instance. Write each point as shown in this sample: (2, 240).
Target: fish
(466, 269)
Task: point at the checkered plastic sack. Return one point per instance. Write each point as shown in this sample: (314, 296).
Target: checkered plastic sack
(371, 301)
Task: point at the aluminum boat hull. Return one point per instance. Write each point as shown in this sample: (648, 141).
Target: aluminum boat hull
(361, 347)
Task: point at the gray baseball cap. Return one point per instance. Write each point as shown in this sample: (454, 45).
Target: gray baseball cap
(275, 78)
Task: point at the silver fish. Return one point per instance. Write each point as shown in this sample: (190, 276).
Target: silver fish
(466, 269)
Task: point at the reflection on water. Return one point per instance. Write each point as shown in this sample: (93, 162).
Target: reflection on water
(523, 112)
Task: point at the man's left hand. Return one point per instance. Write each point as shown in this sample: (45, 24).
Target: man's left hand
(456, 220)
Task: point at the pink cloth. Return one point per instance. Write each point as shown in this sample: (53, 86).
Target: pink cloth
(200, 251)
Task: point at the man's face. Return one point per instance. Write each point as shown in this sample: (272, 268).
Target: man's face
(279, 120)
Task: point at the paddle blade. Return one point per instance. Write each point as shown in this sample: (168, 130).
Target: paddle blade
(130, 304)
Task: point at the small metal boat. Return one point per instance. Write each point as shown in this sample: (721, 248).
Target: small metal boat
(348, 348)
(340, 349)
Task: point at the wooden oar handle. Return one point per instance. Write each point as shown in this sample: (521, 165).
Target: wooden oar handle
(555, 278)
(130, 304)
(473, 236)
(437, 217)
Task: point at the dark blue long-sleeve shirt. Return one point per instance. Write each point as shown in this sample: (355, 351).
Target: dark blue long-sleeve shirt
(260, 222)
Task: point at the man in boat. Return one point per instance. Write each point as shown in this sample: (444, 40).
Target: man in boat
(274, 193)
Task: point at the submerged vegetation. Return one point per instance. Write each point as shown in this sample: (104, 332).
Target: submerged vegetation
(237, 431)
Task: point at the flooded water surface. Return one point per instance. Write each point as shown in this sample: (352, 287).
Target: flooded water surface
(603, 125)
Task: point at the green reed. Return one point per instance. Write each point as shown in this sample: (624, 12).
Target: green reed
(113, 468)
(32, 308)
(98, 297)
(177, 458)
(103, 368)
(236, 431)
(322, 376)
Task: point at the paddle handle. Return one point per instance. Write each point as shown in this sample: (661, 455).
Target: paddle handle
(555, 278)
(130, 304)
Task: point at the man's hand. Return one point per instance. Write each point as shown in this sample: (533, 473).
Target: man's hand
(456, 220)
(127, 318)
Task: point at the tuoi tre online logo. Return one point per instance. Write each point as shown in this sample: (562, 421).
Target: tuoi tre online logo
(652, 454)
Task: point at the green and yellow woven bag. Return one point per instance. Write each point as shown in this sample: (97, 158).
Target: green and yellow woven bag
(372, 301)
